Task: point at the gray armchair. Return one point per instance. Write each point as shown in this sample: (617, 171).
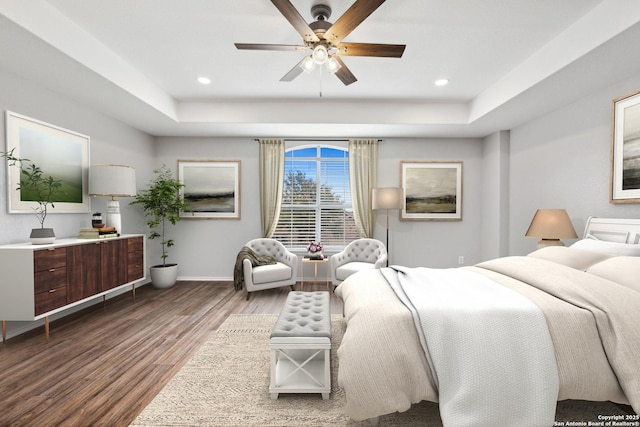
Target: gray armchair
(359, 255)
(283, 273)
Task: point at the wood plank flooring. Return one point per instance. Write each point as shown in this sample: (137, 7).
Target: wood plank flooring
(103, 365)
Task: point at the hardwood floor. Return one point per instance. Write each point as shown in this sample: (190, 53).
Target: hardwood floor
(103, 365)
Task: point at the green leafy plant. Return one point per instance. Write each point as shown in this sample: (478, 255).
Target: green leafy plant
(33, 182)
(162, 204)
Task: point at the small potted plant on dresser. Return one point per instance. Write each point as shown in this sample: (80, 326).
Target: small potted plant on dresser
(38, 188)
(162, 203)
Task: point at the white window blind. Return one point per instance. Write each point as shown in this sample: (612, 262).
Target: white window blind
(316, 201)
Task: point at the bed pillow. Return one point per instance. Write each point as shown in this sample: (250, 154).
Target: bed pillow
(579, 259)
(624, 270)
(611, 248)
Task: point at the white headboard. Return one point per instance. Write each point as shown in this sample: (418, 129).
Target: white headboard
(614, 229)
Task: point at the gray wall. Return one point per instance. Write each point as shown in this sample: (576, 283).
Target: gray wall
(561, 160)
(206, 249)
(433, 243)
(110, 142)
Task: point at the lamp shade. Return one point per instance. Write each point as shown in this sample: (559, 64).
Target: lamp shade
(387, 198)
(551, 224)
(112, 181)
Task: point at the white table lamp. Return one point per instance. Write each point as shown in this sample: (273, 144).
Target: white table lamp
(112, 181)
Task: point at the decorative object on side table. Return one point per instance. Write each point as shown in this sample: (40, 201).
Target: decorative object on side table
(315, 250)
(112, 181)
(96, 220)
(41, 189)
(162, 203)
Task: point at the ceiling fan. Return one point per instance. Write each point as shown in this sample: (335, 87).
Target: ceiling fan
(324, 39)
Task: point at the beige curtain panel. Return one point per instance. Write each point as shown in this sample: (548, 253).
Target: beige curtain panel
(271, 183)
(363, 174)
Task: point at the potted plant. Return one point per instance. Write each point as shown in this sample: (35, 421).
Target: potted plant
(39, 188)
(162, 204)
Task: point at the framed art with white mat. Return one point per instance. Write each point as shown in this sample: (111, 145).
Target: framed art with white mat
(625, 149)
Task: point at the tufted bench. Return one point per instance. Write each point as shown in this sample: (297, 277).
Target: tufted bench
(300, 345)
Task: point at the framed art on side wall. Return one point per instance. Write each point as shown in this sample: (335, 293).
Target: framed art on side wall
(62, 155)
(211, 188)
(433, 191)
(625, 149)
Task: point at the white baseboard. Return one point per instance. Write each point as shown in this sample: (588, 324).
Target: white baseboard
(204, 279)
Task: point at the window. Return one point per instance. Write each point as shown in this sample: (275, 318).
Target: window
(316, 200)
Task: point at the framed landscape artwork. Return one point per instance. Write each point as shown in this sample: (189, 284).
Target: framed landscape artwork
(433, 191)
(211, 188)
(60, 153)
(625, 149)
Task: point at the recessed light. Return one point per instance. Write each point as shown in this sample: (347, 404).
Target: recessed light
(204, 80)
(441, 82)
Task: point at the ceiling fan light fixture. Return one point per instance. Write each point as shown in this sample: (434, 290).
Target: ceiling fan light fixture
(333, 65)
(308, 65)
(320, 54)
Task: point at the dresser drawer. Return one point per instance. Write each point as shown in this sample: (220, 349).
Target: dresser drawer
(54, 278)
(50, 300)
(47, 259)
(135, 244)
(135, 266)
(135, 258)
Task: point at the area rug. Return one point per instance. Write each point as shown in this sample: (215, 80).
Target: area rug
(226, 383)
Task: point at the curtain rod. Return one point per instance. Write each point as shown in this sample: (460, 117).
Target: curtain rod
(317, 139)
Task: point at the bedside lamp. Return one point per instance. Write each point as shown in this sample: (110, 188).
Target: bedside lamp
(112, 181)
(387, 198)
(551, 225)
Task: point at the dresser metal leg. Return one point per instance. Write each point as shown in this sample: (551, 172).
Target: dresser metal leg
(4, 331)
(46, 329)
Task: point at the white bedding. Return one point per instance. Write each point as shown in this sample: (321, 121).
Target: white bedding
(383, 369)
(483, 342)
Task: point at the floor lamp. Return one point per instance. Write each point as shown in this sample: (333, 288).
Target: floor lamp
(387, 198)
(112, 181)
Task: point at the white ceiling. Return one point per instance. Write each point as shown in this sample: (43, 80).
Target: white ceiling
(137, 60)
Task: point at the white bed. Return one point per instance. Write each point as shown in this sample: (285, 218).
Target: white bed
(589, 302)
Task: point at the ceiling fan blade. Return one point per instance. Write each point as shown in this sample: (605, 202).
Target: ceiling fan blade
(258, 46)
(294, 72)
(293, 16)
(371, 49)
(357, 13)
(344, 74)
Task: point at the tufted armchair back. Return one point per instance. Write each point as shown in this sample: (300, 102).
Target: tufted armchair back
(365, 250)
(272, 247)
(364, 253)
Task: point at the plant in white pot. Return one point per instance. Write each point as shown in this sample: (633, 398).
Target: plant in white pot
(37, 187)
(162, 204)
